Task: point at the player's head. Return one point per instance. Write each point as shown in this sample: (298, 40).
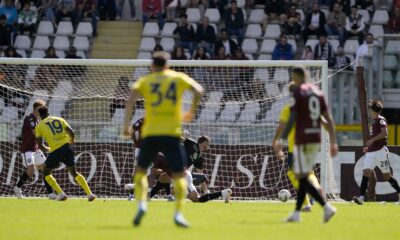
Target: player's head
(204, 143)
(375, 107)
(299, 75)
(160, 61)
(43, 112)
(292, 86)
(36, 105)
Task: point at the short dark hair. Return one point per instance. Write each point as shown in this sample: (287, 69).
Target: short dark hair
(354, 6)
(38, 103)
(184, 15)
(43, 112)
(299, 71)
(224, 30)
(376, 105)
(292, 86)
(160, 58)
(370, 34)
(203, 139)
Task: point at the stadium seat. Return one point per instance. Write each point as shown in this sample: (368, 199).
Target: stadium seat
(168, 29)
(38, 54)
(22, 42)
(262, 74)
(244, 15)
(390, 62)
(387, 79)
(147, 44)
(64, 88)
(301, 12)
(351, 46)
(144, 55)
(268, 46)
(65, 28)
(241, 3)
(139, 113)
(381, 17)
(250, 56)
(397, 80)
(272, 89)
(22, 53)
(294, 45)
(193, 14)
(81, 54)
(168, 44)
(392, 47)
(184, 3)
(84, 29)
(281, 75)
(326, 12)
(213, 15)
(256, 16)
(273, 31)
(139, 72)
(45, 28)
(335, 44)
(249, 45)
(60, 54)
(229, 113)
(265, 57)
(56, 106)
(10, 114)
(311, 43)
(377, 30)
(253, 31)
(118, 116)
(61, 43)
(250, 112)
(150, 29)
(41, 43)
(365, 15)
(81, 43)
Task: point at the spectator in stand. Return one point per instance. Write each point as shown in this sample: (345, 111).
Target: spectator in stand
(27, 19)
(324, 51)
(170, 7)
(234, 21)
(47, 10)
(72, 53)
(292, 25)
(336, 23)
(66, 8)
(307, 53)
(121, 93)
(205, 35)
(88, 9)
(314, 23)
(394, 21)
(221, 54)
(224, 41)
(157, 47)
(51, 53)
(5, 32)
(355, 25)
(152, 10)
(200, 54)
(220, 4)
(10, 52)
(283, 50)
(342, 61)
(10, 12)
(367, 5)
(132, 7)
(178, 53)
(366, 49)
(107, 9)
(344, 5)
(275, 10)
(187, 37)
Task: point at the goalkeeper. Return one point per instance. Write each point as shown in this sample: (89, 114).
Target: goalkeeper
(283, 119)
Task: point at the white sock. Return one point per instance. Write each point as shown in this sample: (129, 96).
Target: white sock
(142, 205)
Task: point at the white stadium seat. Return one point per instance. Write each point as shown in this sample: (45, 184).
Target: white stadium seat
(256, 16)
(294, 44)
(150, 29)
(381, 17)
(390, 62)
(22, 53)
(61, 43)
(365, 15)
(81, 54)
(45, 28)
(167, 44)
(22, 42)
(249, 45)
(272, 89)
(351, 46)
(250, 112)
(38, 54)
(213, 15)
(392, 47)
(84, 29)
(387, 79)
(193, 14)
(81, 43)
(168, 29)
(273, 31)
(397, 79)
(281, 75)
(312, 43)
(229, 113)
(41, 43)
(60, 54)
(301, 12)
(265, 57)
(250, 56)
(262, 74)
(144, 55)
(268, 46)
(377, 30)
(253, 31)
(241, 3)
(65, 28)
(147, 44)
(335, 44)
(139, 72)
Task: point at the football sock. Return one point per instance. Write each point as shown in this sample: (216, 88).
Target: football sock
(167, 188)
(141, 186)
(155, 189)
(82, 182)
(301, 194)
(295, 183)
(48, 187)
(180, 192)
(313, 191)
(394, 184)
(22, 179)
(53, 183)
(210, 196)
(364, 185)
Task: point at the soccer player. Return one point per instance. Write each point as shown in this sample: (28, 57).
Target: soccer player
(59, 135)
(31, 152)
(162, 91)
(376, 152)
(307, 107)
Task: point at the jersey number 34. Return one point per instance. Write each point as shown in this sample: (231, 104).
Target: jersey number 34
(170, 94)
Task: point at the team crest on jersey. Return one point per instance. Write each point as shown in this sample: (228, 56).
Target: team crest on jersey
(383, 122)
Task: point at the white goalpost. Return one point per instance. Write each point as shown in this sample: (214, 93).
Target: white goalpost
(239, 112)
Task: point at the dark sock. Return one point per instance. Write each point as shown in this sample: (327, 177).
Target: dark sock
(155, 189)
(210, 196)
(394, 184)
(22, 179)
(132, 191)
(313, 192)
(301, 195)
(49, 189)
(167, 188)
(364, 185)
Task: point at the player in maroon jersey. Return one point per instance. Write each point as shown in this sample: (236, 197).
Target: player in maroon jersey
(136, 135)
(308, 107)
(30, 151)
(376, 152)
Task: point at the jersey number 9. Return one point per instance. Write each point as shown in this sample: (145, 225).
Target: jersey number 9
(55, 126)
(170, 94)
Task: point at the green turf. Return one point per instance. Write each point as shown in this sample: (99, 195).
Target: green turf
(111, 219)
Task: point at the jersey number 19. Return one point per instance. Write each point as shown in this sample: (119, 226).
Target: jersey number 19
(55, 126)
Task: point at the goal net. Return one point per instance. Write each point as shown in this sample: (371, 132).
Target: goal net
(239, 112)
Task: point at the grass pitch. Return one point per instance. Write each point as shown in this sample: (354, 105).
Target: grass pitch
(112, 219)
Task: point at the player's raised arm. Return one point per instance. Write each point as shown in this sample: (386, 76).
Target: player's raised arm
(129, 111)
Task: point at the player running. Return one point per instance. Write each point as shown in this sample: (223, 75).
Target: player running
(308, 105)
(162, 91)
(59, 135)
(31, 152)
(376, 152)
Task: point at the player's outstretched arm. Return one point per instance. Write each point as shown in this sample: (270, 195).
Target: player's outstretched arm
(331, 128)
(197, 91)
(71, 133)
(129, 111)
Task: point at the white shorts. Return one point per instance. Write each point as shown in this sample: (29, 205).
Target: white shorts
(378, 159)
(189, 180)
(34, 158)
(304, 157)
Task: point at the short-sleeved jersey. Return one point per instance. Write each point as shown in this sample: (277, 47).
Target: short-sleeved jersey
(52, 129)
(309, 104)
(284, 117)
(28, 139)
(162, 92)
(378, 124)
(194, 156)
(137, 132)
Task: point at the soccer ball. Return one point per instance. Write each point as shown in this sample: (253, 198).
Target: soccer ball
(284, 195)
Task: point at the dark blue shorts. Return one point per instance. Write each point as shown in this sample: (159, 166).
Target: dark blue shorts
(290, 160)
(171, 147)
(63, 154)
